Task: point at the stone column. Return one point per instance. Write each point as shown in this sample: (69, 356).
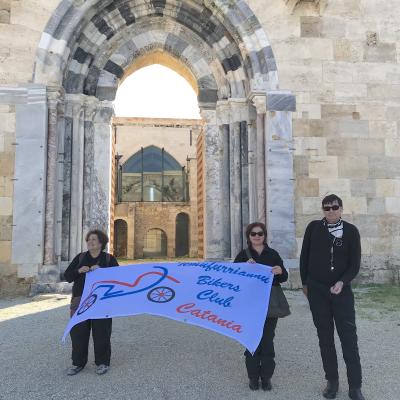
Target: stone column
(244, 180)
(280, 175)
(53, 99)
(77, 165)
(235, 188)
(252, 177)
(97, 166)
(215, 218)
(259, 102)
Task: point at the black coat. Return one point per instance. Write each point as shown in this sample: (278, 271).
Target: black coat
(268, 257)
(315, 258)
(71, 274)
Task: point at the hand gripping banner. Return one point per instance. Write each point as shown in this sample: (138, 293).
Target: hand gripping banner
(230, 299)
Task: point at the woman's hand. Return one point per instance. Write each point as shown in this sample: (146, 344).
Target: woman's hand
(84, 269)
(93, 267)
(251, 261)
(337, 287)
(277, 270)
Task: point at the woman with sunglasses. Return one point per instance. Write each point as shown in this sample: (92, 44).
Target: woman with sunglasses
(262, 363)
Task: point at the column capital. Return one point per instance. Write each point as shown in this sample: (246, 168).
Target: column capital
(259, 101)
(209, 116)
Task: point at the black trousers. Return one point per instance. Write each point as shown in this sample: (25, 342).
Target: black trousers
(262, 363)
(101, 332)
(327, 311)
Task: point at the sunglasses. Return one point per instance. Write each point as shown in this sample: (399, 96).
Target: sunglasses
(328, 208)
(261, 233)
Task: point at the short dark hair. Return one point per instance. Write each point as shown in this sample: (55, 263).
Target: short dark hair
(253, 225)
(103, 238)
(332, 198)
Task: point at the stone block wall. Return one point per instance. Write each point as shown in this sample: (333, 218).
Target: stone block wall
(9, 281)
(341, 60)
(7, 140)
(141, 217)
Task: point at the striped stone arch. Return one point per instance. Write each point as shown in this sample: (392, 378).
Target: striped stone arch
(89, 47)
(84, 41)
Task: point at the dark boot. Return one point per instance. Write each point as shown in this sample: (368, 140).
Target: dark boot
(331, 389)
(355, 394)
(266, 384)
(254, 384)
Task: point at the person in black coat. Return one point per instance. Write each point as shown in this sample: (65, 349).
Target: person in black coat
(329, 261)
(81, 265)
(262, 363)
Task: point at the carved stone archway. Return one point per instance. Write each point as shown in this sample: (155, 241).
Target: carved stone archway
(88, 47)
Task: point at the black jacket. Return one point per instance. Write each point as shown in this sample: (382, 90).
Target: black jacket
(315, 258)
(71, 274)
(268, 257)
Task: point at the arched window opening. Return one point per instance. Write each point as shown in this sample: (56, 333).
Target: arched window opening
(120, 238)
(152, 174)
(182, 235)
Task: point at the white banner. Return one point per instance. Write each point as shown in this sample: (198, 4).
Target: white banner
(230, 299)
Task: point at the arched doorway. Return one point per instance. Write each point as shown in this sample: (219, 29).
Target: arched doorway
(85, 51)
(155, 243)
(182, 235)
(120, 238)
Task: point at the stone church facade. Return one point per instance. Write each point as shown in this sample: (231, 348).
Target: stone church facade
(299, 98)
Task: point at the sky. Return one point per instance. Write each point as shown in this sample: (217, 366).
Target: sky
(156, 92)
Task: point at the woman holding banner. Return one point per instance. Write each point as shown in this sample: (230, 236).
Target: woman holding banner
(82, 264)
(262, 363)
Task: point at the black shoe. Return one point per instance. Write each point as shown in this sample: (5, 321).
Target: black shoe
(266, 385)
(74, 370)
(331, 389)
(254, 384)
(355, 394)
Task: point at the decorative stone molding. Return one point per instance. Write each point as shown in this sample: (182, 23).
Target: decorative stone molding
(260, 103)
(298, 5)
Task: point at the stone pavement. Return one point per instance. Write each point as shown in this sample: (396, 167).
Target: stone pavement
(155, 358)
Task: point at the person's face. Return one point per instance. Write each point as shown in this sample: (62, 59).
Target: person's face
(257, 236)
(332, 211)
(93, 243)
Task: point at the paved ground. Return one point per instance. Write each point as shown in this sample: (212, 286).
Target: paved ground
(154, 358)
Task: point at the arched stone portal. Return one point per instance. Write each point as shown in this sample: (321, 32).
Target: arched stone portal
(84, 52)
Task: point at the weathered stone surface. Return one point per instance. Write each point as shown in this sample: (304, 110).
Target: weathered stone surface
(350, 147)
(5, 251)
(341, 187)
(382, 52)
(384, 167)
(320, 166)
(363, 187)
(310, 26)
(353, 166)
(306, 187)
(346, 50)
(310, 146)
(5, 228)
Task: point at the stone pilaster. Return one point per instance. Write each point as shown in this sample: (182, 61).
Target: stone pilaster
(29, 176)
(279, 174)
(216, 188)
(259, 101)
(53, 99)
